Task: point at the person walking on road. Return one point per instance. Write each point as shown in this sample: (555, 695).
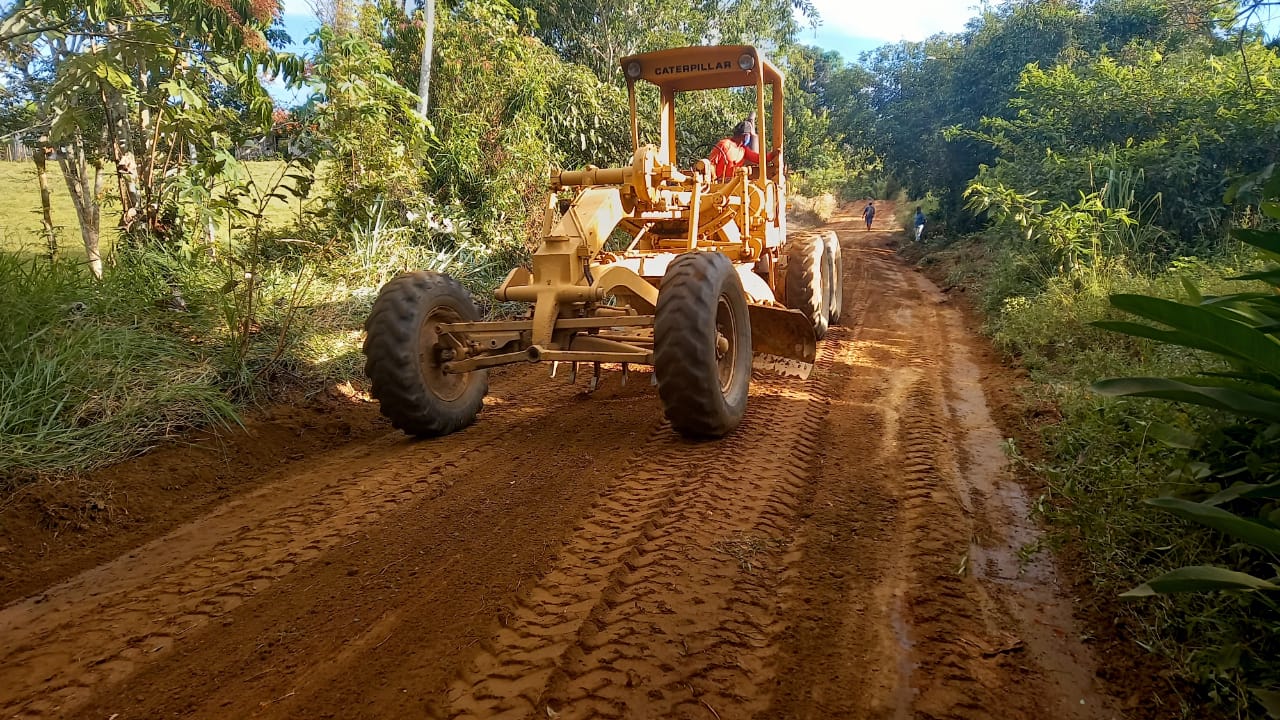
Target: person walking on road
(919, 224)
(869, 214)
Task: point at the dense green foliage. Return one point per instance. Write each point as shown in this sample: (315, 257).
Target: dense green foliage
(596, 33)
(1187, 121)
(924, 92)
(1092, 144)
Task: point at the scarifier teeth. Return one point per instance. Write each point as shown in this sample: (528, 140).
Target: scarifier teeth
(555, 365)
(782, 365)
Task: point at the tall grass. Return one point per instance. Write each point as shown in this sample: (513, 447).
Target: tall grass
(88, 373)
(812, 210)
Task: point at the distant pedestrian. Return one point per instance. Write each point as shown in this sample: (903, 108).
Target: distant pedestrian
(919, 224)
(869, 214)
(747, 128)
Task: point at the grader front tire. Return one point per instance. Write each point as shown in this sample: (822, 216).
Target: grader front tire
(404, 357)
(808, 281)
(702, 345)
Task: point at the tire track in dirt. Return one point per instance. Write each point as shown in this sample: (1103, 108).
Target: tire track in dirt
(889, 618)
(970, 650)
(379, 624)
(664, 602)
(572, 557)
(940, 608)
(839, 653)
(75, 638)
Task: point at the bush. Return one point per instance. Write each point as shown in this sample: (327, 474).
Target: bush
(1102, 458)
(813, 210)
(91, 372)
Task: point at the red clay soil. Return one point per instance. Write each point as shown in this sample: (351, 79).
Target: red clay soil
(51, 530)
(1147, 685)
(852, 550)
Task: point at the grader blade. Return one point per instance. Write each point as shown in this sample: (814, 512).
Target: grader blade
(782, 341)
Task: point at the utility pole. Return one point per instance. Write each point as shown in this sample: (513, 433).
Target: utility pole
(424, 77)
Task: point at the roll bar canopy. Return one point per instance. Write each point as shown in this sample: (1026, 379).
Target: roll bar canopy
(703, 68)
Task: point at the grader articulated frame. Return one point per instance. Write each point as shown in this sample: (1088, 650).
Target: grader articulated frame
(707, 287)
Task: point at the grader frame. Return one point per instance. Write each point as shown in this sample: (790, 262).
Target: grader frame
(593, 305)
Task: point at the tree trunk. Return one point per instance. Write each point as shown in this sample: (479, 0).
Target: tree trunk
(40, 156)
(120, 133)
(120, 136)
(424, 76)
(75, 171)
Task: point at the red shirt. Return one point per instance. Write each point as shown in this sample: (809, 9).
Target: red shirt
(728, 156)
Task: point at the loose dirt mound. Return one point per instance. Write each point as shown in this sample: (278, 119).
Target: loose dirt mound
(850, 551)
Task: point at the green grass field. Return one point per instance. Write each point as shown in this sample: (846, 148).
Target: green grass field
(20, 226)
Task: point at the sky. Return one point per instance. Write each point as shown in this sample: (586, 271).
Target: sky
(850, 27)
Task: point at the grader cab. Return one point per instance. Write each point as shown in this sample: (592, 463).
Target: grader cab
(708, 285)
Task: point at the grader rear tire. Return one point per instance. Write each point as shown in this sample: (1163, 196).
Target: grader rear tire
(403, 360)
(808, 281)
(702, 345)
(836, 268)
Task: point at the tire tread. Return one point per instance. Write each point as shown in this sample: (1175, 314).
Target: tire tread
(391, 362)
(684, 333)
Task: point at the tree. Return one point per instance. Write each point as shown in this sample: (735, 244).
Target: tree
(1184, 122)
(925, 91)
(132, 84)
(596, 33)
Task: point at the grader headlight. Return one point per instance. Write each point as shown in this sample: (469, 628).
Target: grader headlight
(633, 70)
(746, 61)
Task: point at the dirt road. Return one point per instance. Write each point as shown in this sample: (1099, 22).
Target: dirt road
(851, 551)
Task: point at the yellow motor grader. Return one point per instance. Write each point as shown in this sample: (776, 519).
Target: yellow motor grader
(708, 285)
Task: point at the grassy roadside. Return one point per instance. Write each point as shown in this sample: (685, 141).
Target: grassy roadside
(93, 372)
(1098, 459)
(20, 215)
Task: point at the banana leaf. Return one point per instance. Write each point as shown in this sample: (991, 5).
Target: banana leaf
(1254, 533)
(1270, 700)
(1171, 337)
(1271, 277)
(1265, 297)
(1269, 491)
(1208, 328)
(1200, 578)
(1261, 239)
(1231, 399)
(1260, 385)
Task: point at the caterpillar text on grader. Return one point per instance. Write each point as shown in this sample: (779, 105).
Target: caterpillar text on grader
(709, 286)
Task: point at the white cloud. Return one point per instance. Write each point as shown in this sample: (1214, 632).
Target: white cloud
(297, 7)
(894, 20)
